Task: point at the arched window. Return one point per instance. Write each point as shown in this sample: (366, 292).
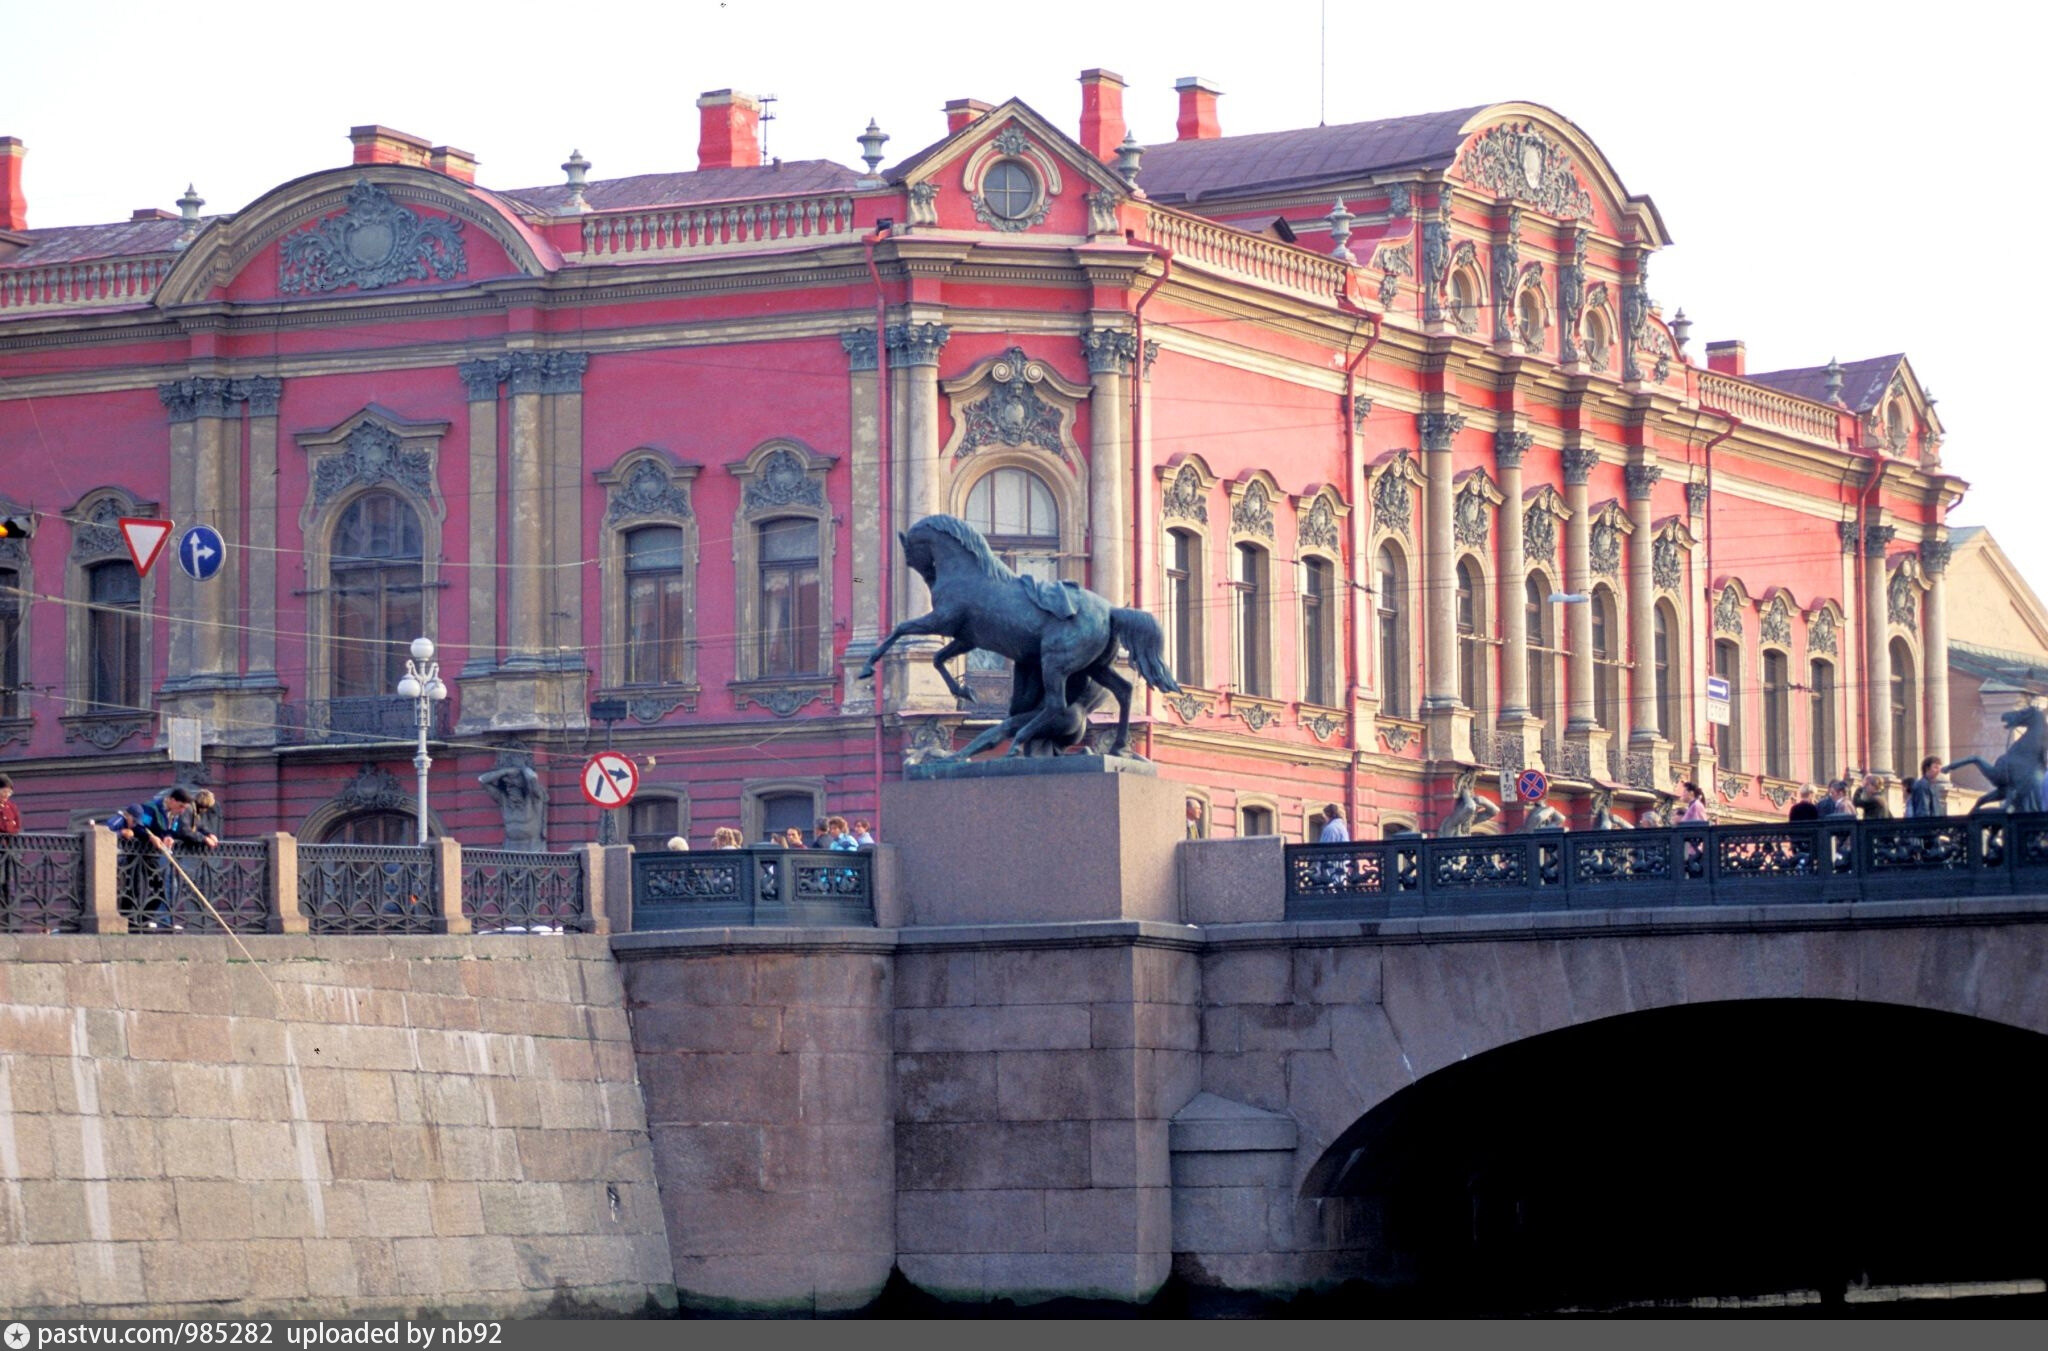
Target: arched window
(1318, 631)
(1606, 660)
(13, 664)
(397, 828)
(1252, 593)
(1905, 716)
(1254, 820)
(1532, 317)
(1471, 612)
(1598, 338)
(1728, 666)
(1821, 694)
(375, 571)
(1015, 510)
(1393, 635)
(1183, 604)
(115, 674)
(789, 618)
(1665, 625)
(1542, 643)
(656, 606)
(1777, 716)
(1463, 310)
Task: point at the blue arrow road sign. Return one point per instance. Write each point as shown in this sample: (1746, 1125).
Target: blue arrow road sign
(201, 552)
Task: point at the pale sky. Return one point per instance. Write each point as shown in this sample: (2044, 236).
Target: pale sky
(1840, 180)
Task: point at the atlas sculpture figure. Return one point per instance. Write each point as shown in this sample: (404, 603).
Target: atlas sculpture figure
(1469, 810)
(1063, 638)
(2017, 777)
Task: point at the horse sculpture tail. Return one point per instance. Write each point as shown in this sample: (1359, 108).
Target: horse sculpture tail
(1139, 633)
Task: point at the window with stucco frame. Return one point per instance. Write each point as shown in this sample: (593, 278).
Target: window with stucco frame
(646, 489)
(781, 479)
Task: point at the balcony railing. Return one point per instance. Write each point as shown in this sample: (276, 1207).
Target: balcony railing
(743, 887)
(106, 281)
(1761, 406)
(717, 225)
(356, 721)
(42, 883)
(1820, 861)
(1247, 257)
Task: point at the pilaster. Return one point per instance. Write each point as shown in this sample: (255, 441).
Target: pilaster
(1448, 721)
(1642, 479)
(1934, 555)
(1876, 657)
(1110, 352)
(486, 540)
(1579, 462)
(867, 538)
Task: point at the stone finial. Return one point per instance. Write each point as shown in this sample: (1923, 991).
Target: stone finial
(188, 211)
(1128, 155)
(871, 142)
(1340, 233)
(576, 167)
(1833, 390)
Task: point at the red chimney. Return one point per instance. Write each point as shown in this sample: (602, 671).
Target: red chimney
(13, 206)
(452, 162)
(1102, 112)
(1729, 358)
(1197, 109)
(961, 112)
(728, 130)
(382, 145)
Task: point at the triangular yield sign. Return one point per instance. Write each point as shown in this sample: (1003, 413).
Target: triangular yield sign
(146, 539)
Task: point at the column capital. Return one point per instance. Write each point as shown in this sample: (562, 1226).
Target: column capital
(562, 372)
(859, 345)
(1361, 409)
(919, 344)
(1878, 538)
(1110, 350)
(194, 397)
(525, 372)
(1696, 498)
(1641, 478)
(1851, 535)
(1934, 555)
(260, 392)
(483, 376)
(1439, 429)
(1509, 447)
(1578, 464)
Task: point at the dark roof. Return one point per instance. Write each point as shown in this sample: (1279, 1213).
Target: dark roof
(1863, 382)
(1188, 171)
(792, 178)
(76, 243)
(1990, 663)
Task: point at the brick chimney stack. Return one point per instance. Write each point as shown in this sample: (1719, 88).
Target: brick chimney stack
(452, 162)
(13, 206)
(382, 145)
(1102, 112)
(960, 113)
(1729, 357)
(1197, 109)
(729, 130)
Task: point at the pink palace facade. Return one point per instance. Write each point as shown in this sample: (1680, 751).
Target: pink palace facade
(1380, 420)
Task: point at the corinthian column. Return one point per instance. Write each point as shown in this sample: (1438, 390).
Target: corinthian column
(1934, 562)
(525, 534)
(1508, 449)
(1877, 669)
(914, 350)
(1448, 722)
(1110, 353)
(262, 394)
(1578, 571)
(480, 379)
(1642, 597)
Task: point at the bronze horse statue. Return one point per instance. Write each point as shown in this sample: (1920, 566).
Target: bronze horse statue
(2017, 777)
(1063, 638)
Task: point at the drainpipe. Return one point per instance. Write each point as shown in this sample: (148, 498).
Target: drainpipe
(883, 470)
(1354, 456)
(1707, 455)
(1140, 565)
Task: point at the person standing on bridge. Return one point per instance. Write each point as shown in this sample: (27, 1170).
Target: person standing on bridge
(1694, 813)
(1924, 796)
(1870, 798)
(1335, 829)
(10, 815)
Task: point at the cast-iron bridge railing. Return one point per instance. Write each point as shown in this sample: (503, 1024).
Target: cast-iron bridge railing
(155, 897)
(42, 883)
(1836, 860)
(736, 888)
(505, 891)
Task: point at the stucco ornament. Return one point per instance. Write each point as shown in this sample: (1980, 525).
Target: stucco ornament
(1184, 499)
(1470, 518)
(374, 242)
(1901, 604)
(1820, 632)
(1571, 298)
(1776, 625)
(783, 481)
(1393, 507)
(372, 789)
(1394, 263)
(1318, 528)
(1604, 548)
(1666, 572)
(1539, 535)
(1063, 638)
(1519, 161)
(1436, 267)
(648, 491)
(1013, 413)
(373, 454)
(1728, 612)
(1252, 512)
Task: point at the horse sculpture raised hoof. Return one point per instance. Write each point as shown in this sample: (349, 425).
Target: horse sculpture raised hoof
(2016, 779)
(1063, 638)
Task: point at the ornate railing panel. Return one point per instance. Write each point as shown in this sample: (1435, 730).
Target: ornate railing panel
(1235, 253)
(717, 224)
(370, 718)
(507, 892)
(743, 887)
(1834, 860)
(42, 883)
(368, 889)
(106, 281)
(155, 896)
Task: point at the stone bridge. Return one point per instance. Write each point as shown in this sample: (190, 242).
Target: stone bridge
(1079, 1071)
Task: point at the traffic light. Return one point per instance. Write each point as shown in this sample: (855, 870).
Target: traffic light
(17, 527)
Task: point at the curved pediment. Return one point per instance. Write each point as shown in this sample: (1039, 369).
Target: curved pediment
(1528, 153)
(360, 230)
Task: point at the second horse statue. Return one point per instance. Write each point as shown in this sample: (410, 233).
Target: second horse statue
(1063, 638)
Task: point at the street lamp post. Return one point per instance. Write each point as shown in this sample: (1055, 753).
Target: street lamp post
(421, 683)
